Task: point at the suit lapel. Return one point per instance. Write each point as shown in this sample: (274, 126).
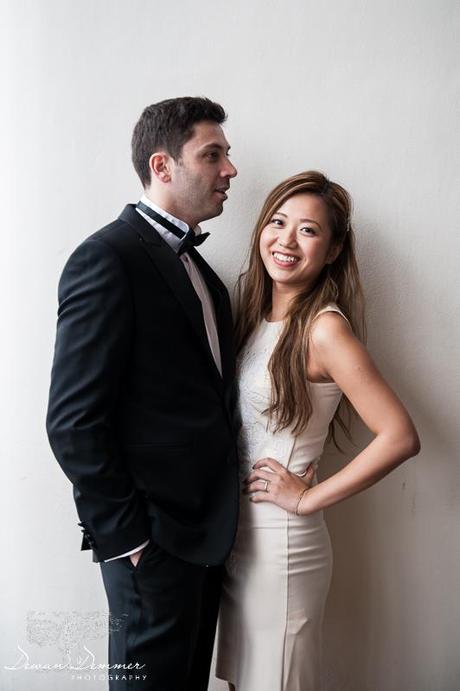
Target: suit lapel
(175, 275)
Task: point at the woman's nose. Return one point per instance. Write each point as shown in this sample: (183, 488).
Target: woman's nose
(287, 239)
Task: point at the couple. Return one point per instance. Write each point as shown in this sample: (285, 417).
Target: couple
(146, 422)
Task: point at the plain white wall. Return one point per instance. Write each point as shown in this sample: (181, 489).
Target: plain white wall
(362, 90)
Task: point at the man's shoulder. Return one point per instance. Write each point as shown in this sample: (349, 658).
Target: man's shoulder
(117, 237)
(113, 243)
(118, 232)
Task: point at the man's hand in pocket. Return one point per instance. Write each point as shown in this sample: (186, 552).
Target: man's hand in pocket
(136, 556)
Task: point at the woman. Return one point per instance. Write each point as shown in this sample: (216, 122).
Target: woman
(299, 332)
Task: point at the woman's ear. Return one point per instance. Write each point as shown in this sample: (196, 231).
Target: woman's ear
(333, 253)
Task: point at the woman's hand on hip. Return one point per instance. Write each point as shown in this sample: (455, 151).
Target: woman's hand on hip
(270, 481)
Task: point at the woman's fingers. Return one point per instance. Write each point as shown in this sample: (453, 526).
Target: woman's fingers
(270, 481)
(257, 486)
(270, 463)
(277, 469)
(260, 496)
(260, 480)
(260, 475)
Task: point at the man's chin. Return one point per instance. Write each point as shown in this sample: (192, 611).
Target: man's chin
(212, 214)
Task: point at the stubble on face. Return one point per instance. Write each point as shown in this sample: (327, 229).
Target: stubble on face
(201, 177)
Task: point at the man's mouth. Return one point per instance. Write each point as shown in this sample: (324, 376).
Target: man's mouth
(285, 259)
(222, 191)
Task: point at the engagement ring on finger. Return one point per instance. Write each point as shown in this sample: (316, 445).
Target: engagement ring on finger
(266, 486)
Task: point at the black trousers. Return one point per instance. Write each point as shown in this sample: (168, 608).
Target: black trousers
(163, 615)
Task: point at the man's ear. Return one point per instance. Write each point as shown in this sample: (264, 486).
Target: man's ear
(160, 166)
(333, 253)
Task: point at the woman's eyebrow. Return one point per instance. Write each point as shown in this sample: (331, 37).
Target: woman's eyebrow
(301, 220)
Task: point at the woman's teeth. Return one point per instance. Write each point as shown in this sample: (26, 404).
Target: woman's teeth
(286, 258)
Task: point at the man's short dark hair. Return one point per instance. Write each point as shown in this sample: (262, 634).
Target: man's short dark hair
(168, 125)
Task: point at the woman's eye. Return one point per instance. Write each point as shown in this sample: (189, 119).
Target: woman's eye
(277, 221)
(306, 230)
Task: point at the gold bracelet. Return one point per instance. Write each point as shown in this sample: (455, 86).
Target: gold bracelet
(299, 500)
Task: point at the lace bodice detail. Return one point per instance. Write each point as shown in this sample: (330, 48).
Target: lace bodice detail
(257, 438)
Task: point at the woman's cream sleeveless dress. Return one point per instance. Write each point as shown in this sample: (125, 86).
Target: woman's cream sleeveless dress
(278, 574)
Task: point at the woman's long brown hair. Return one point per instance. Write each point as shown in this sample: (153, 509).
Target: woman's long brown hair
(338, 282)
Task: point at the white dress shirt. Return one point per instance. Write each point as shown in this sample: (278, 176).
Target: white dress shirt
(201, 290)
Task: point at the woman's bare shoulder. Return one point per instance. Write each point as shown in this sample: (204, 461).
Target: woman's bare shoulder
(329, 326)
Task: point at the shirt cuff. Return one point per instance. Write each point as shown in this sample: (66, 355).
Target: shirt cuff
(126, 554)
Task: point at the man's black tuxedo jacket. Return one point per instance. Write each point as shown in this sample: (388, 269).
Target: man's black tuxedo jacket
(139, 417)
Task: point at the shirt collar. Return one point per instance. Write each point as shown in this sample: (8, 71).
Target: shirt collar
(173, 241)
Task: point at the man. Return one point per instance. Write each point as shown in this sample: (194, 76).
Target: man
(140, 414)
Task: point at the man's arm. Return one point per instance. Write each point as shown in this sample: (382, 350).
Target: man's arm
(91, 354)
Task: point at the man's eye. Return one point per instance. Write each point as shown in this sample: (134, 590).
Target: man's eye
(213, 155)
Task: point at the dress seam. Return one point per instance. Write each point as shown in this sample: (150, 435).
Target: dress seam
(286, 624)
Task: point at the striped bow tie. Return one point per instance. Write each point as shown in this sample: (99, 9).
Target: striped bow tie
(189, 239)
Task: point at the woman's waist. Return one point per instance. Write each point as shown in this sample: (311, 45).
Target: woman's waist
(293, 460)
(266, 515)
(295, 452)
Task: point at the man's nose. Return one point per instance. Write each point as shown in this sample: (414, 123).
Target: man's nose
(229, 170)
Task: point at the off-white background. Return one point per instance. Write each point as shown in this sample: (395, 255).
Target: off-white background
(362, 90)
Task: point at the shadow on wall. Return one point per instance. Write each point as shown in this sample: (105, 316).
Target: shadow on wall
(370, 632)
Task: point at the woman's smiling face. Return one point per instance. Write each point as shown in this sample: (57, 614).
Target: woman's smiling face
(296, 242)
